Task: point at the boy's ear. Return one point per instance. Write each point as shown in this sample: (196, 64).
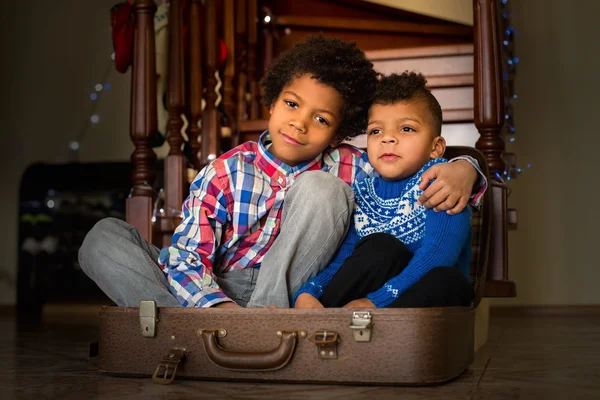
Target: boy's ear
(438, 147)
(271, 108)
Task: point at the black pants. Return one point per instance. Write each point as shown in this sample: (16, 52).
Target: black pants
(379, 257)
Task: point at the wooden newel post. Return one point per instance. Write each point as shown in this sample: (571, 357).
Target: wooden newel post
(196, 85)
(489, 118)
(143, 119)
(210, 119)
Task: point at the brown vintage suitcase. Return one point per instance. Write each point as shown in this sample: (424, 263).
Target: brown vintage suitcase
(352, 346)
(377, 346)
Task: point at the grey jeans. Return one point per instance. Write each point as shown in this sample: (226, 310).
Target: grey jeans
(316, 217)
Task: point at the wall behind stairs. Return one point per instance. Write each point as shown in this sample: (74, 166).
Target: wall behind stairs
(53, 53)
(554, 255)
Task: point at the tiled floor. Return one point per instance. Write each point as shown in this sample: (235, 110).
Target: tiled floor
(527, 357)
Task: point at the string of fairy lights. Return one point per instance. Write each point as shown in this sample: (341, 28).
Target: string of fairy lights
(510, 62)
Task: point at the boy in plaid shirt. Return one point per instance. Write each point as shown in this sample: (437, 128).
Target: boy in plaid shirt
(265, 217)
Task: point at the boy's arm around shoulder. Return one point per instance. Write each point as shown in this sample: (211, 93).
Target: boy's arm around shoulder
(457, 183)
(445, 236)
(189, 260)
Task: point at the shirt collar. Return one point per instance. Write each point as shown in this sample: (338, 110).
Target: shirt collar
(276, 169)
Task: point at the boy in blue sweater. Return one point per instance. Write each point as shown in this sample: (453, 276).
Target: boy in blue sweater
(397, 253)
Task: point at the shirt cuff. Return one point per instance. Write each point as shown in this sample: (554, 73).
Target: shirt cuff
(480, 186)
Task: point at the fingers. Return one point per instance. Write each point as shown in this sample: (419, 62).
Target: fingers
(431, 191)
(438, 197)
(462, 203)
(428, 176)
(450, 202)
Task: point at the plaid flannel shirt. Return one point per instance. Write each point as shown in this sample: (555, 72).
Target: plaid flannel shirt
(233, 213)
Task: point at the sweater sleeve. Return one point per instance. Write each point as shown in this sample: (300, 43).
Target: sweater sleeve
(445, 236)
(318, 283)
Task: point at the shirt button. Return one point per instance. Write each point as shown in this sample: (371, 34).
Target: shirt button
(280, 180)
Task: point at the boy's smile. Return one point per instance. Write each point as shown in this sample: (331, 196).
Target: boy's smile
(401, 138)
(304, 120)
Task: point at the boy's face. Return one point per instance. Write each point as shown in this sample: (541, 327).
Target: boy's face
(401, 139)
(304, 120)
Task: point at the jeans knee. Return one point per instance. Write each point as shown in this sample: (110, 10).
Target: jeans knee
(319, 187)
(96, 242)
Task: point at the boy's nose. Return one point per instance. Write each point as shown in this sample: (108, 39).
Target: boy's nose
(388, 139)
(298, 125)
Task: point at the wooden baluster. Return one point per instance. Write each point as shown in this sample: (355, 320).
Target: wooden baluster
(241, 60)
(229, 37)
(143, 119)
(252, 59)
(195, 79)
(175, 164)
(210, 118)
(268, 35)
(489, 109)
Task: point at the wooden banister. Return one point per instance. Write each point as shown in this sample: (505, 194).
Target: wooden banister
(210, 119)
(252, 58)
(143, 119)
(196, 85)
(488, 110)
(241, 66)
(229, 37)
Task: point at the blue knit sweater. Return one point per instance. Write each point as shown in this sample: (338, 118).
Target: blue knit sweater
(436, 239)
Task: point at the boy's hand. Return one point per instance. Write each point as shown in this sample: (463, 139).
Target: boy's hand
(360, 303)
(452, 187)
(306, 300)
(227, 304)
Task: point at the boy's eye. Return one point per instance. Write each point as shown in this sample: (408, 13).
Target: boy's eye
(322, 121)
(374, 131)
(290, 103)
(407, 129)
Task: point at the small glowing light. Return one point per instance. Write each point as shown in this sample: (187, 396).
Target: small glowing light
(93, 96)
(107, 86)
(528, 165)
(519, 170)
(268, 19)
(112, 56)
(512, 139)
(74, 145)
(516, 60)
(510, 61)
(508, 178)
(98, 87)
(94, 118)
(506, 116)
(50, 203)
(211, 157)
(505, 42)
(162, 211)
(515, 96)
(153, 219)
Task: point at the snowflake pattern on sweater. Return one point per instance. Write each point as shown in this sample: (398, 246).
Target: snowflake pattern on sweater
(402, 217)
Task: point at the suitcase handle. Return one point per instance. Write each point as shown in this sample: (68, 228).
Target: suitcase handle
(270, 360)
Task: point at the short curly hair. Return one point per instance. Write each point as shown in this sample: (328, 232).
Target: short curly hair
(406, 86)
(337, 64)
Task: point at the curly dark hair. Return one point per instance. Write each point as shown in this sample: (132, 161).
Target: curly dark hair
(408, 86)
(334, 63)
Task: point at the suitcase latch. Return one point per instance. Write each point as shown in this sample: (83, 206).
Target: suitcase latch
(165, 373)
(361, 325)
(148, 318)
(326, 344)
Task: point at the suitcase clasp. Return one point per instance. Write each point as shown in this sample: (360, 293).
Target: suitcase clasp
(326, 344)
(148, 318)
(361, 325)
(164, 373)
